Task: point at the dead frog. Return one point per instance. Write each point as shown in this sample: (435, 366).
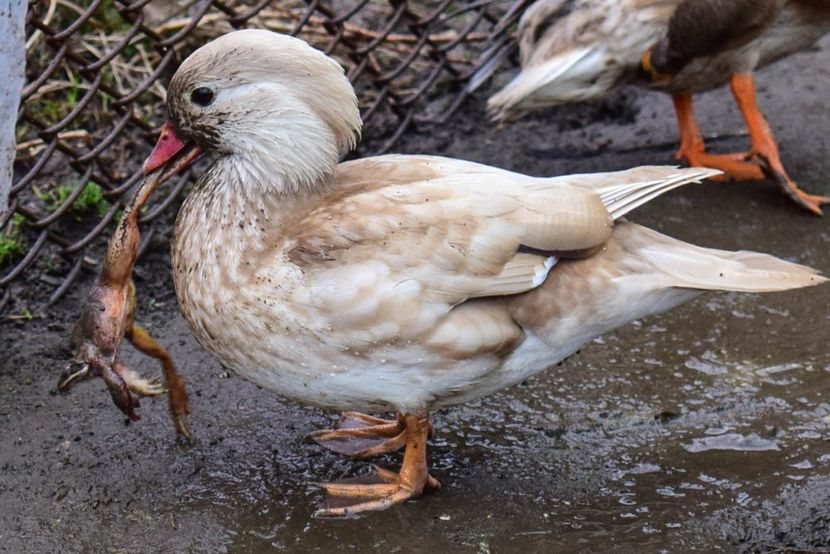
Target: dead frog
(109, 315)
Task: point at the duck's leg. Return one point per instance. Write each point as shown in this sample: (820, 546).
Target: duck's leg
(693, 150)
(363, 436)
(764, 146)
(386, 488)
(177, 393)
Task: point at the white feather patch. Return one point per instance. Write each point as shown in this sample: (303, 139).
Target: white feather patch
(542, 274)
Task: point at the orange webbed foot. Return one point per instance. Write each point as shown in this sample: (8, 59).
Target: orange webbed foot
(764, 146)
(349, 497)
(355, 495)
(738, 166)
(362, 436)
(774, 171)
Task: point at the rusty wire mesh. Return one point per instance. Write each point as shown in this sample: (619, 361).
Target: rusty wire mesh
(96, 71)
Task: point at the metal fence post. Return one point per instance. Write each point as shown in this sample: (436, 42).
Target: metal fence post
(12, 68)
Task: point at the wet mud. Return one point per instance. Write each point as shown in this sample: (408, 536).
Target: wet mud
(704, 429)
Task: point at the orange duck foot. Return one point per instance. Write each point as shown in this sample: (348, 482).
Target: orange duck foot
(762, 161)
(362, 436)
(385, 488)
(774, 171)
(349, 497)
(737, 166)
(752, 166)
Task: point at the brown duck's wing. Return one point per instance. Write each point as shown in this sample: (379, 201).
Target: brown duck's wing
(701, 28)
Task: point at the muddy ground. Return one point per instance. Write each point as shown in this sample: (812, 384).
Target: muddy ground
(707, 428)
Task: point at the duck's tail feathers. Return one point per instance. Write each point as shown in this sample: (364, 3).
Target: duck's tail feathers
(497, 53)
(694, 267)
(529, 89)
(624, 191)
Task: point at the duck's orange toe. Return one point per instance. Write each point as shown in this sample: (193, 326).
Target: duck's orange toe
(775, 172)
(355, 495)
(737, 166)
(362, 436)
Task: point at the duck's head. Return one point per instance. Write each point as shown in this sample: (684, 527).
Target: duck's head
(578, 51)
(271, 103)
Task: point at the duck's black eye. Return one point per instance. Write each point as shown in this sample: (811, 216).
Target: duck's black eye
(201, 96)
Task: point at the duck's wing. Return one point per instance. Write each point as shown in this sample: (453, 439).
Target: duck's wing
(700, 28)
(454, 235)
(451, 231)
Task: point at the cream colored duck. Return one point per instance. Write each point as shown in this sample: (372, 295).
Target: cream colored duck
(576, 50)
(399, 283)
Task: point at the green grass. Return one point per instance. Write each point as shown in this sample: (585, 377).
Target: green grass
(73, 93)
(49, 110)
(10, 244)
(91, 198)
(54, 106)
(110, 19)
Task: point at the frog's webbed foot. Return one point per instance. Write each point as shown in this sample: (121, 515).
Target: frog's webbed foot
(139, 385)
(96, 365)
(125, 384)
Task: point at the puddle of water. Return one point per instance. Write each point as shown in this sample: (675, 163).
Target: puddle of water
(732, 441)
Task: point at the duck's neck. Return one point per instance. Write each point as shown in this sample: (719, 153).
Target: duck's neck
(287, 157)
(236, 212)
(256, 180)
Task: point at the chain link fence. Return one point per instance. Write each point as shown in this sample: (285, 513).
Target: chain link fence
(94, 99)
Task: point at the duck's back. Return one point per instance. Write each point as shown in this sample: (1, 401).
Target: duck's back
(799, 25)
(773, 30)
